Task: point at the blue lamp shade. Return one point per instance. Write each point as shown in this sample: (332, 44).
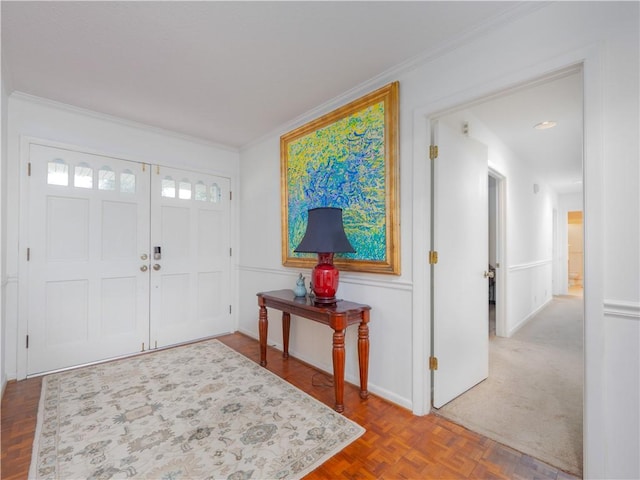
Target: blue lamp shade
(325, 232)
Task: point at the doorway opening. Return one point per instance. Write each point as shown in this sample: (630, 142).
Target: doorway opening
(549, 328)
(575, 252)
(492, 255)
(496, 227)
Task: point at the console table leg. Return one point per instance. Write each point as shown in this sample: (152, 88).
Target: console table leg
(286, 326)
(363, 357)
(338, 369)
(263, 326)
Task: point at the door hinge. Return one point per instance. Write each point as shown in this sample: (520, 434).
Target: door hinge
(29, 169)
(231, 252)
(433, 363)
(27, 341)
(433, 257)
(142, 347)
(28, 254)
(433, 152)
(230, 195)
(229, 309)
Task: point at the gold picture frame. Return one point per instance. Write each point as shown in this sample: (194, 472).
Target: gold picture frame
(348, 159)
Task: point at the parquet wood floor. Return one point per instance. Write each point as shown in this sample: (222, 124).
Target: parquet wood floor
(396, 445)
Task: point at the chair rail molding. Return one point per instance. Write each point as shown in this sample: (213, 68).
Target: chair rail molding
(345, 278)
(529, 265)
(621, 309)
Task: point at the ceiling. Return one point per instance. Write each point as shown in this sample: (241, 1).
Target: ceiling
(554, 154)
(234, 72)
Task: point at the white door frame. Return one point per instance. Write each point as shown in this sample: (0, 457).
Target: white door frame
(21, 329)
(593, 167)
(501, 244)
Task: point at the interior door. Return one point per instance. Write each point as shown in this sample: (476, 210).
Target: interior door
(191, 257)
(460, 289)
(88, 228)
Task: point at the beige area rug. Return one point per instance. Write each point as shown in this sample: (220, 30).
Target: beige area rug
(199, 411)
(532, 400)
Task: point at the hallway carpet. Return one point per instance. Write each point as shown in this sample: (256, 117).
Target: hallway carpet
(532, 400)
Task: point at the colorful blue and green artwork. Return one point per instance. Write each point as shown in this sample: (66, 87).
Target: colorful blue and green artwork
(342, 165)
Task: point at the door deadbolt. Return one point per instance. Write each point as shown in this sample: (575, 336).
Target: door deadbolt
(144, 256)
(144, 268)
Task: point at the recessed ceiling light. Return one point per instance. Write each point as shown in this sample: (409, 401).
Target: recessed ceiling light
(546, 124)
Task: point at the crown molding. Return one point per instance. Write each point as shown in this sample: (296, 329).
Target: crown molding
(18, 95)
(519, 10)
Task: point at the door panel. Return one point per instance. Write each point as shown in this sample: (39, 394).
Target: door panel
(190, 293)
(88, 226)
(460, 289)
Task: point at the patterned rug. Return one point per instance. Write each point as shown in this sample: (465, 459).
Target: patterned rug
(200, 411)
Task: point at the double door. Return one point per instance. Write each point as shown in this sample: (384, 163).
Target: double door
(122, 257)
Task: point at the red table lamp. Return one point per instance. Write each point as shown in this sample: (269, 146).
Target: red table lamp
(325, 236)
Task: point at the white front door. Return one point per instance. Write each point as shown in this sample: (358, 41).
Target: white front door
(95, 287)
(88, 228)
(460, 289)
(191, 257)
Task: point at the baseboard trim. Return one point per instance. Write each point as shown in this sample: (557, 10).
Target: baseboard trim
(528, 318)
(354, 380)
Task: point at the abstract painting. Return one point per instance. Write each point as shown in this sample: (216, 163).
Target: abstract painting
(346, 159)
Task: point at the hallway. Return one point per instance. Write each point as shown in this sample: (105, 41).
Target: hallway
(532, 400)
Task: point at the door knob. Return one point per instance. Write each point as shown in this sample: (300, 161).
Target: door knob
(144, 256)
(489, 274)
(144, 268)
(156, 267)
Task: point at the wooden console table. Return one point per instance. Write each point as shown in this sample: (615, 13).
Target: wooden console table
(338, 316)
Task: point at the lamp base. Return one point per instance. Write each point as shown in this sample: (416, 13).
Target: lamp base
(325, 278)
(324, 301)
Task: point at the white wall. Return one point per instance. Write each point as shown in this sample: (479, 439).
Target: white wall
(3, 230)
(603, 36)
(93, 132)
(261, 270)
